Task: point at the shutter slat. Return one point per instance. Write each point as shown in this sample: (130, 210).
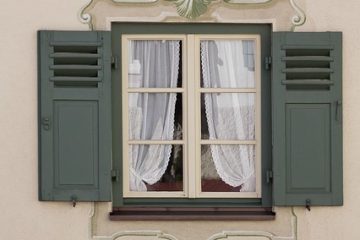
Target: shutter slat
(74, 55)
(308, 58)
(81, 44)
(309, 46)
(307, 70)
(80, 79)
(77, 67)
(308, 82)
(307, 127)
(74, 116)
(76, 64)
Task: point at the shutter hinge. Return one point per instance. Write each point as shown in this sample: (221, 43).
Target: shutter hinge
(45, 121)
(115, 175)
(308, 204)
(115, 62)
(269, 176)
(74, 200)
(268, 62)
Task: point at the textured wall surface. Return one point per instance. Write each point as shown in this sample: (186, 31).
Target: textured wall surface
(24, 217)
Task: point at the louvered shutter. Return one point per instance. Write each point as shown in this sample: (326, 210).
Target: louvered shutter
(307, 118)
(74, 116)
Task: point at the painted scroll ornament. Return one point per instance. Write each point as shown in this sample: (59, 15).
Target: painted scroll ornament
(191, 9)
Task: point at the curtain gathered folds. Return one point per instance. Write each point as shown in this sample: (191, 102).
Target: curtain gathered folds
(153, 64)
(231, 116)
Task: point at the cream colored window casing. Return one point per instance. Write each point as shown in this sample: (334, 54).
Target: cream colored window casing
(192, 92)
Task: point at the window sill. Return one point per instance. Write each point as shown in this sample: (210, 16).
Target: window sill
(196, 213)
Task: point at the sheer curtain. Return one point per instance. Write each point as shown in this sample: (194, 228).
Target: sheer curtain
(153, 64)
(231, 116)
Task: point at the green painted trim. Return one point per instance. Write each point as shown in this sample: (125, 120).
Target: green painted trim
(194, 28)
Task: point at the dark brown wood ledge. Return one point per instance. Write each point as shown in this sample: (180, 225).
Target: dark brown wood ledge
(194, 213)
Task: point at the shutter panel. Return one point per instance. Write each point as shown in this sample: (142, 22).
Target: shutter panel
(307, 124)
(74, 116)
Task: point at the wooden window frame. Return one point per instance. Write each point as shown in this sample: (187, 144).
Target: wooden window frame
(150, 28)
(191, 114)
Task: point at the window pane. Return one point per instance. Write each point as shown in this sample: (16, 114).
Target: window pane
(155, 116)
(155, 64)
(228, 63)
(228, 116)
(156, 168)
(228, 168)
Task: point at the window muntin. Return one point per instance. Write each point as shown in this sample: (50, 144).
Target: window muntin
(153, 113)
(191, 88)
(228, 99)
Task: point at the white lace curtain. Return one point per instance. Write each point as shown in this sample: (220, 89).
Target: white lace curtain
(230, 116)
(151, 115)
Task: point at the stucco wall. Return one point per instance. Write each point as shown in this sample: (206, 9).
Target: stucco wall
(22, 216)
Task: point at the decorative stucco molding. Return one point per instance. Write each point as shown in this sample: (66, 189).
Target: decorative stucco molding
(161, 235)
(135, 1)
(123, 234)
(247, 1)
(300, 17)
(267, 235)
(86, 17)
(170, 16)
(191, 9)
(163, 17)
(157, 234)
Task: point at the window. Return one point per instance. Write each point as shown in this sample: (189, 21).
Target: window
(191, 115)
(294, 103)
(191, 36)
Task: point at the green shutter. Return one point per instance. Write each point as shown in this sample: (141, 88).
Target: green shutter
(74, 116)
(307, 118)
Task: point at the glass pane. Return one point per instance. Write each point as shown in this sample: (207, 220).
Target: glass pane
(228, 63)
(155, 64)
(228, 116)
(155, 116)
(156, 168)
(228, 168)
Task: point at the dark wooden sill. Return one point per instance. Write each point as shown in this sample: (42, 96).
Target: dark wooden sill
(195, 213)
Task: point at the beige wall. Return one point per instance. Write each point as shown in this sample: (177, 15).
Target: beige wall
(22, 216)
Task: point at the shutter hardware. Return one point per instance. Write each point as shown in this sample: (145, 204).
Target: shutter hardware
(46, 123)
(115, 175)
(115, 62)
(73, 200)
(268, 61)
(337, 110)
(307, 204)
(269, 176)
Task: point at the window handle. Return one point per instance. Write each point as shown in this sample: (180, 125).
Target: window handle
(338, 110)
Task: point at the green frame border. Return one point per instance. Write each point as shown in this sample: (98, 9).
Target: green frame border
(265, 31)
(191, 11)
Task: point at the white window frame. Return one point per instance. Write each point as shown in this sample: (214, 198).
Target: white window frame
(191, 115)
